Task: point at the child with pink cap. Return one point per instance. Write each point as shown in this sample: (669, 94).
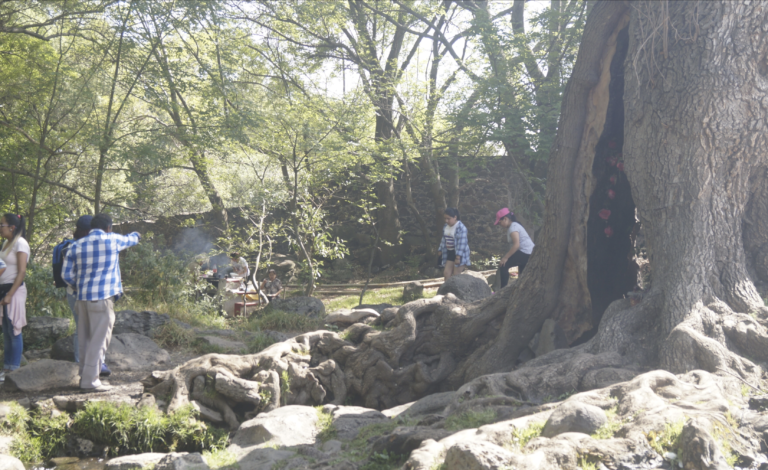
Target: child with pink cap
(521, 245)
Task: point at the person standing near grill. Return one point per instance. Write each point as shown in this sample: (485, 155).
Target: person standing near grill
(15, 254)
(92, 267)
(271, 286)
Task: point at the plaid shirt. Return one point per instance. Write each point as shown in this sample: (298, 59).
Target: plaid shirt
(462, 245)
(92, 264)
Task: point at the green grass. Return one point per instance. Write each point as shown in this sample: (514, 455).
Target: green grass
(723, 433)
(384, 461)
(37, 436)
(282, 321)
(325, 425)
(521, 437)
(667, 440)
(585, 464)
(470, 419)
(613, 424)
(220, 459)
(260, 343)
(130, 430)
(390, 295)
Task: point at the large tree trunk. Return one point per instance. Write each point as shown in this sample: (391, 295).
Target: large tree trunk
(691, 141)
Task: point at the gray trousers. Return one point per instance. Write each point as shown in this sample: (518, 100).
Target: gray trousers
(94, 330)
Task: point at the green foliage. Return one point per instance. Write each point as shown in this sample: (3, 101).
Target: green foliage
(613, 424)
(521, 437)
(586, 464)
(156, 275)
(130, 430)
(325, 425)
(384, 461)
(470, 419)
(43, 298)
(285, 386)
(260, 342)
(220, 459)
(668, 439)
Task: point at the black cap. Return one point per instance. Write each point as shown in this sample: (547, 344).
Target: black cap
(84, 222)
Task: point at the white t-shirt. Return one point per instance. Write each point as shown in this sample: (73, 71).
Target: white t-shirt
(12, 268)
(526, 244)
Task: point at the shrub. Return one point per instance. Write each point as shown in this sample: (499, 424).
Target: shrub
(43, 298)
(129, 430)
(157, 275)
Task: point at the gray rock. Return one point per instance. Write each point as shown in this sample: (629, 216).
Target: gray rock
(79, 447)
(207, 413)
(131, 351)
(403, 440)
(347, 316)
(63, 349)
(551, 337)
(477, 456)
(263, 459)
(10, 463)
(225, 345)
(6, 442)
(42, 375)
(130, 462)
(413, 291)
(286, 426)
(378, 307)
(434, 403)
(349, 420)
(73, 403)
(466, 287)
(41, 332)
(141, 323)
(573, 416)
(182, 461)
(307, 306)
(332, 447)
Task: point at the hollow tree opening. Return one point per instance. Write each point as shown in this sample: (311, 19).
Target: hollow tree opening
(611, 269)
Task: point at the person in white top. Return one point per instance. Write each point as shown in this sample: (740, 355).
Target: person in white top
(15, 254)
(521, 245)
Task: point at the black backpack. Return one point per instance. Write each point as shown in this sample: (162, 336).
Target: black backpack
(59, 252)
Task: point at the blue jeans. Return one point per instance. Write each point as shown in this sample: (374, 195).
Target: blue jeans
(71, 299)
(12, 345)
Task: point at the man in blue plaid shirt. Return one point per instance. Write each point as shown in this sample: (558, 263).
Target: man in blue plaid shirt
(92, 267)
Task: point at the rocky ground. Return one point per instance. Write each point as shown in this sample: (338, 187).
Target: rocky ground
(615, 418)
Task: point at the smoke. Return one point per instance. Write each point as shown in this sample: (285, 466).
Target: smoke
(192, 241)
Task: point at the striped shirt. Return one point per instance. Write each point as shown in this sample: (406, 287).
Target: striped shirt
(461, 245)
(92, 264)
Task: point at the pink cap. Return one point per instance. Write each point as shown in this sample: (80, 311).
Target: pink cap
(500, 214)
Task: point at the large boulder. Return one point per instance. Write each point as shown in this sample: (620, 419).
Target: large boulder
(41, 332)
(130, 351)
(573, 416)
(286, 426)
(478, 455)
(141, 323)
(349, 420)
(63, 349)
(466, 287)
(43, 375)
(182, 461)
(307, 306)
(413, 291)
(136, 461)
(10, 463)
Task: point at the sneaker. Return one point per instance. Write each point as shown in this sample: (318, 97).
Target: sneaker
(105, 372)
